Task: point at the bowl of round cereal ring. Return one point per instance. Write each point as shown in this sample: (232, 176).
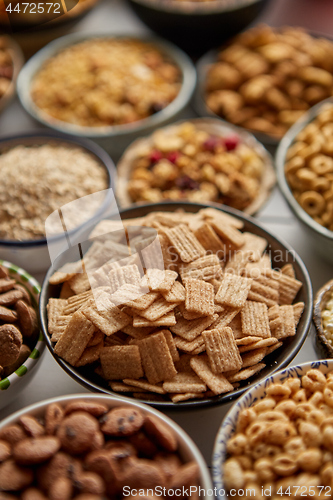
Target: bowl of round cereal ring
(43, 172)
(95, 446)
(22, 344)
(323, 318)
(205, 22)
(265, 79)
(66, 86)
(199, 160)
(305, 175)
(276, 441)
(176, 304)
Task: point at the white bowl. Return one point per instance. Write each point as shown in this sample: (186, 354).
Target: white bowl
(11, 386)
(251, 396)
(187, 449)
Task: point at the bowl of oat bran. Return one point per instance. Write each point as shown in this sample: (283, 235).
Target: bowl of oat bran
(41, 173)
(105, 87)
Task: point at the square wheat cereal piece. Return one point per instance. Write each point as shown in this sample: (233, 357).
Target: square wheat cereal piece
(66, 272)
(189, 347)
(233, 291)
(176, 293)
(119, 362)
(59, 328)
(137, 333)
(289, 270)
(228, 234)
(199, 350)
(255, 244)
(96, 338)
(125, 294)
(272, 348)
(274, 318)
(247, 340)
(157, 309)
(109, 320)
(236, 327)
(171, 344)
(187, 314)
(262, 293)
(199, 297)
(206, 268)
(251, 358)
(255, 319)
(255, 269)
(189, 330)
(216, 383)
(225, 317)
(75, 338)
(222, 217)
(222, 350)
(54, 309)
(246, 373)
(76, 302)
(185, 243)
(288, 323)
(90, 355)
(124, 275)
(258, 344)
(144, 301)
(238, 262)
(185, 382)
(298, 311)
(149, 397)
(144, 385)
(179, 398)
(121, 387)
(156, 358)
(218, 308)
(288, 287)
(161, 281)
(168, 319)
(79, 283)
(170, 259)
(206, 235)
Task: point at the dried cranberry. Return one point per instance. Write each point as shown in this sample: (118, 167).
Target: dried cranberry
(155, 156)
(231, 142)
(211, 143)
(173, 156)
(185, 182)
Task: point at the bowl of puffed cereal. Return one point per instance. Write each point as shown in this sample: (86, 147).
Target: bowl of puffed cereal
(21, 342)
(52, 185)
(96, 446)
(323, 317)
(305, 174)
(109, 88)
(199, 160)
(176, 304)
(265, 79)
(276, 441)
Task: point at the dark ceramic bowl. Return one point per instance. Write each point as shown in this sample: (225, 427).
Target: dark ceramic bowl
(281, 253)
(322, 296)
(197, 26)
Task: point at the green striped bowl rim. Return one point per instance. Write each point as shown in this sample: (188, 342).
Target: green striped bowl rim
(23, 278)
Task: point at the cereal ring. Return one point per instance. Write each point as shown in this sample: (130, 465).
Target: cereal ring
(321, 164)
(122, 422)
(313, 203)
(284, 465)
(10, 344)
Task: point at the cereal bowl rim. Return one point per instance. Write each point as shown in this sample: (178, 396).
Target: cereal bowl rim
(317, 319)
(22, 277)
(228, 424)
(190, 8)
(289, 355)
(31, 68)
(280, 161)
(186, 444)
(86, 145)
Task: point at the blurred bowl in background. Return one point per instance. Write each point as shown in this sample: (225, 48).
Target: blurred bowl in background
(13, 49)
(322, 297)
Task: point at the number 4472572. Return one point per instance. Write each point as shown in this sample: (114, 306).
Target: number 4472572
(33, 8)
(305, 491)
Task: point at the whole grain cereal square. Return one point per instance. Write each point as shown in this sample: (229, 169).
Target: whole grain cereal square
(59, 327)
(66, 272)
(255, 319)
(288, 287)
(161, 280)
(109, 321)
(171, 344)
(125, 294)
(206, 235)
(216, 383)
(156, 358)
(178, 398)
(119, 362)
(187, 314)
(222, 351)
(221, 217)
(189, 330)
(205, 268)
(79, 283)
(237, 262)
(225, 317)
(272, 348)
(168, 319)
(124, 275)
(199, 297)
(257, 344)
(157, 309)
(233, 291)
(185, 243)
(228, 234)
(137, 333)
(247, 340)
(75, 338)
(143, 301)
(143, 385)
(289, 270)
(298, 311)
(189, 346)
(253, 357)
(185, 382)
(176, 293)
(90, 354)
(263, 293)
(245, 373)
(255, 244)
(54, 308)
(288, 328)
(121, 387)
(236, 326)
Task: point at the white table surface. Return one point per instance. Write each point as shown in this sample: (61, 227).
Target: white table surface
(115, 16)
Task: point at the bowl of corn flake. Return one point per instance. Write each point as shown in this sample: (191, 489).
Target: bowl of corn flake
(323, 317)
(305, 174)
(41, 174)
(108, 88)
(179, 304)
(200, 160)
(276, 441)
